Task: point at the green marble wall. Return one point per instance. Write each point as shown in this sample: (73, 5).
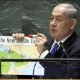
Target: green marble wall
(28, 16)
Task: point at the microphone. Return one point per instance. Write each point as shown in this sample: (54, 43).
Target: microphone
(61, 44)
(33, 76)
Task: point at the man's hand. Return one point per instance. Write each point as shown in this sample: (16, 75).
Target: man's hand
(18, 36)
(41, 40)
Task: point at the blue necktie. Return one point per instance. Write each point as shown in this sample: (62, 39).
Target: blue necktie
(54, 49)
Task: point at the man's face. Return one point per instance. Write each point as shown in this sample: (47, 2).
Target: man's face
(60, 24)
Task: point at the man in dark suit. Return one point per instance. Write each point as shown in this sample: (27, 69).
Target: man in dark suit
(64, 69)
(62, 29)
(65, 43)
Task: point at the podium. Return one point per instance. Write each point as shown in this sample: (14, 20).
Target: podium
(34, 60)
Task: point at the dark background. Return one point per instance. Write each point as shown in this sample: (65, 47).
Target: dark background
(28, 16)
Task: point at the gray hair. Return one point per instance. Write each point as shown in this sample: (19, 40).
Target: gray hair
(72, 11)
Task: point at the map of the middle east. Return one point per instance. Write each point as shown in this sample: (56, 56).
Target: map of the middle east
(12, 49)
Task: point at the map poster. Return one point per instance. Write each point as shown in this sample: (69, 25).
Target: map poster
(12, 49)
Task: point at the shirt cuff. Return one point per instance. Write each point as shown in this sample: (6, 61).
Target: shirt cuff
(43, 54)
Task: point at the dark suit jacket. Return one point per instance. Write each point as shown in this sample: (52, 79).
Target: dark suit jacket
(60, 69)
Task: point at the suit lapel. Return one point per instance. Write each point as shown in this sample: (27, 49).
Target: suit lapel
(69, 42)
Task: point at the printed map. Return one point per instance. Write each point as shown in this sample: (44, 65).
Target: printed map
(11, 49)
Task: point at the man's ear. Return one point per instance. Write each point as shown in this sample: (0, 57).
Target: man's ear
(73, 24)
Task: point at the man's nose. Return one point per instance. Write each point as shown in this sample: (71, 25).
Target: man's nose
(53, 22)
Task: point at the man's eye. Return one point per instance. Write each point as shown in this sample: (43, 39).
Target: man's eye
(51, 19)
(59, 19)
